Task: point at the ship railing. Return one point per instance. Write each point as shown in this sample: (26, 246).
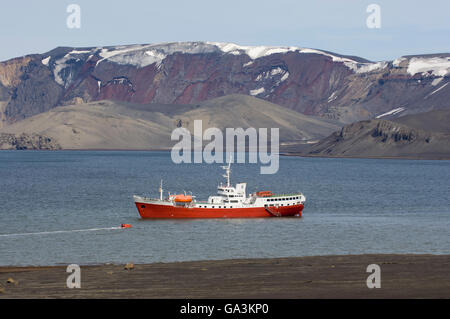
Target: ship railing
(284, 195)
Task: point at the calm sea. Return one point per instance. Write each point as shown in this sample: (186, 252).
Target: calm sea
(64, 207)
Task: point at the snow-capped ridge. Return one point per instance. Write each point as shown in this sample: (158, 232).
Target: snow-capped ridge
(437, 66)
(142, 55)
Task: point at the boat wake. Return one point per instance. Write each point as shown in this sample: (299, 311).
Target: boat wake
(61, 231)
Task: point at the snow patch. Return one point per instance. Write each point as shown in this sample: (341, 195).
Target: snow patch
(397, 62)
(366, 67)
(256, 52)
(357, 67)
(437, 90)
(144, 55)
(392, 112)
(284, 77)
(436, 81)
(332, 97)
(79, 52)
(429, 66)
(273, 72)
(45, 61)
(257, 91)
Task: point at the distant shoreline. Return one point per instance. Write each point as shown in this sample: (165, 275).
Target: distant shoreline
(281, 154)
(370, 157)
(337, 276)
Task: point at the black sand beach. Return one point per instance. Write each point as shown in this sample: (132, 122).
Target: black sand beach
(402, 276)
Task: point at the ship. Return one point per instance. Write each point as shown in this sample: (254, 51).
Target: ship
(229, 202)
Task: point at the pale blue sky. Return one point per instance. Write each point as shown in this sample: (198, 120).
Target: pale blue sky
(407, 27)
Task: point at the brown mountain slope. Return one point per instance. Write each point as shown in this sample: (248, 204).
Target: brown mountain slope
(118, 125)
(435, 121)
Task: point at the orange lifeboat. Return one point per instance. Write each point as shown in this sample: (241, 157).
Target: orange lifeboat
(183, 198)
(264, 194)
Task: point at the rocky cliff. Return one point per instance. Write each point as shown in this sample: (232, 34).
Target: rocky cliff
(27, 142)
(423, 138)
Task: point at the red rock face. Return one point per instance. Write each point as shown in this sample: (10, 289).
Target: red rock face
(313, 83)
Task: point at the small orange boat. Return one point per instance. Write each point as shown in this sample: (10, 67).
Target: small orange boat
(230, 202)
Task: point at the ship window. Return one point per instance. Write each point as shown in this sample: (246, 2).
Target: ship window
(142, 206)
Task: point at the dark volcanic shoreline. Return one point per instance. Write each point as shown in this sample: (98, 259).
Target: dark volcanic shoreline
(416, 158)
(402, 276)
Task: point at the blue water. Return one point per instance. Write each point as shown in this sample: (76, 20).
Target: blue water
(72, 202)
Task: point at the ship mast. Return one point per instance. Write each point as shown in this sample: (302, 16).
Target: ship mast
(161, 191)
(227, 172)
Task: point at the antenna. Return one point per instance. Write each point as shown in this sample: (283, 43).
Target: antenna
(227, 171)
(161, 191)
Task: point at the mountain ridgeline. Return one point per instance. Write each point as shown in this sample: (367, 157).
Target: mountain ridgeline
(309, 81)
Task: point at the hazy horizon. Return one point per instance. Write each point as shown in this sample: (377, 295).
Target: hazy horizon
(407, 27)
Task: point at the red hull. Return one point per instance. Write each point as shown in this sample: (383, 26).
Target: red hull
(162, 211)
